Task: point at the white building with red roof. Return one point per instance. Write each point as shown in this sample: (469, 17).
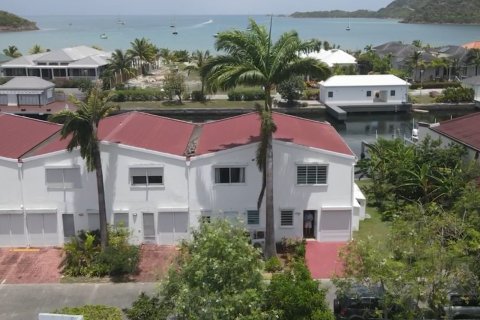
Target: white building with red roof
(162, 175)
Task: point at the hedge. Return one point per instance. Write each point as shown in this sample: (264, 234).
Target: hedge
(93, 312)
(247, 94)
(435, 85)
(148, 94)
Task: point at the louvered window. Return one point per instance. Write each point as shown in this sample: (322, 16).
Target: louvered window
(312, 174)
(146, 176)
(286, 218)
(253, 218)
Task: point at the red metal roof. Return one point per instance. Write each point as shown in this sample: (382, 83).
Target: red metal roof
(241, 130)
(140, 130)
(465, 130)
(18, 135)
(472, 45)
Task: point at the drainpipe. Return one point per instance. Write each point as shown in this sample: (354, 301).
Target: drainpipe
(22, 199)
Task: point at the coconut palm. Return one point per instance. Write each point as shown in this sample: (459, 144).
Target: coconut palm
(81, 128)
(415, 60)
(199, 59)
(143, 50)
(12, 51)
(121, 63)
(36, 49)
(250, 58)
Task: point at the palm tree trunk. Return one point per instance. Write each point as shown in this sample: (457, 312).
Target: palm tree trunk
(102, 212)
(270, 248)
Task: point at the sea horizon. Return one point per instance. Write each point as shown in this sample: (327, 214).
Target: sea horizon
(197, 31)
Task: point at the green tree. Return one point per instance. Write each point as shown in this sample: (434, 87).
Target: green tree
(174, 85)
(218, 276)
(121, 63)
(294, 295)
(166, 55)
(252, 59)
(415, 61)
(81, 128)
(36, 49)
(199, 58)
(180, 56)
(291, 89)
(12, 51)
(144, 51)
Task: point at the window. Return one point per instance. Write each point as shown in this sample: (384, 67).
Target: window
(63, 178)
(392, 93)
(253, 218)
(369, 93)
(311, 174)
(68, 225)
(146, 176)
(230, 175)
(286, 218)
(120, 219)
(330, 94)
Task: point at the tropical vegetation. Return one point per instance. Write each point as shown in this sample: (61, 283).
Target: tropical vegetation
(80, 127)
(93, 312)
(12, 22)
(144, 53)
(251, 58)
(12, 51)
(218, 275)
(428, 193)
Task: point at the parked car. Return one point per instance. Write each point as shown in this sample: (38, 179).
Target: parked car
(359, 302)
(463, 306)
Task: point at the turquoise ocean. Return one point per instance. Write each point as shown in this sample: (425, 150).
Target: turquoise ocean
(197, 32)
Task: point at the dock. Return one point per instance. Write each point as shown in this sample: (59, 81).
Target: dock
(341, 112)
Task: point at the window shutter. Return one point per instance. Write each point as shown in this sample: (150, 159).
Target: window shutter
(253, 217)
(54, 178)
(286, 218)
(72, 178)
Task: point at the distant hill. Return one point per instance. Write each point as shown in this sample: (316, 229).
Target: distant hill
(11, 22)
(412, 11)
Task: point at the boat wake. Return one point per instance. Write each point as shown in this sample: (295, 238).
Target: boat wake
(199, 25)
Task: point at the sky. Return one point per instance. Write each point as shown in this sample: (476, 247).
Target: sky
(181, 7)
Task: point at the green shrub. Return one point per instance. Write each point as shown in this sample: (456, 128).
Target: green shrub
(145, 308)
(84, 257)
(147, 94)
(291, 89)
(93, 312)
(273, 264)
(293, 246)
(456, 95)
(246, 94)
(435, 85)
(198, 95)
(310, 94)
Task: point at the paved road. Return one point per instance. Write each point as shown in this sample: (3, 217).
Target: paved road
(26, 301)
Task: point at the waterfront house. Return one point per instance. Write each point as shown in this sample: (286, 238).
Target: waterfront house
(163, 175)
(81, 62)
(364, 90)
(473, 83)
(462, 130)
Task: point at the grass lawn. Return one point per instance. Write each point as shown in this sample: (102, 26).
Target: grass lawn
(424, 99)
(165, 105)
(373, 227)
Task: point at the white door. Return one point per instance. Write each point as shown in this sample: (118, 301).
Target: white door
(172, 227)
(12, 100)
(12, 231)
(335, 225)
(42, 229)
(148, 227)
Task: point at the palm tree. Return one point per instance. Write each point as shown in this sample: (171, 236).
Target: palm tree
(123, 64)
(36, 49)
(12, 51)
(415, 59)
(252, 59)
(166, 55)
(199, 59)
(439, 64)
(81, 127)
(143, 50)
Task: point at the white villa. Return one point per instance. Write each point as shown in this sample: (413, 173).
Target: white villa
(163, 175)
(473, 83)
(364, 90)
(333, 57)
(80, 62)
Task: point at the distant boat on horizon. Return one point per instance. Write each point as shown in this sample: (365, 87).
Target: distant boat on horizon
(103, 36)
(119, 21)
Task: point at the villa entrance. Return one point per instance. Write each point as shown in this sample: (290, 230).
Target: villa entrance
(309, 219)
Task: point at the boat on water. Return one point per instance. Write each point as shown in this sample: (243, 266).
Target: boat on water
(119, 21)
(103, 36)
(348, 26)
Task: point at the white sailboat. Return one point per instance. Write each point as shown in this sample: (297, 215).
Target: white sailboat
(348, 26)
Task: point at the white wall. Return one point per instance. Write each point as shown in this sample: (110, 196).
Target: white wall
(358, 95)
(217, 198)
(10, 188)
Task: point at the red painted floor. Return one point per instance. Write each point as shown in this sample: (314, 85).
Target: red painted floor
(42, 265)
(323, 259)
